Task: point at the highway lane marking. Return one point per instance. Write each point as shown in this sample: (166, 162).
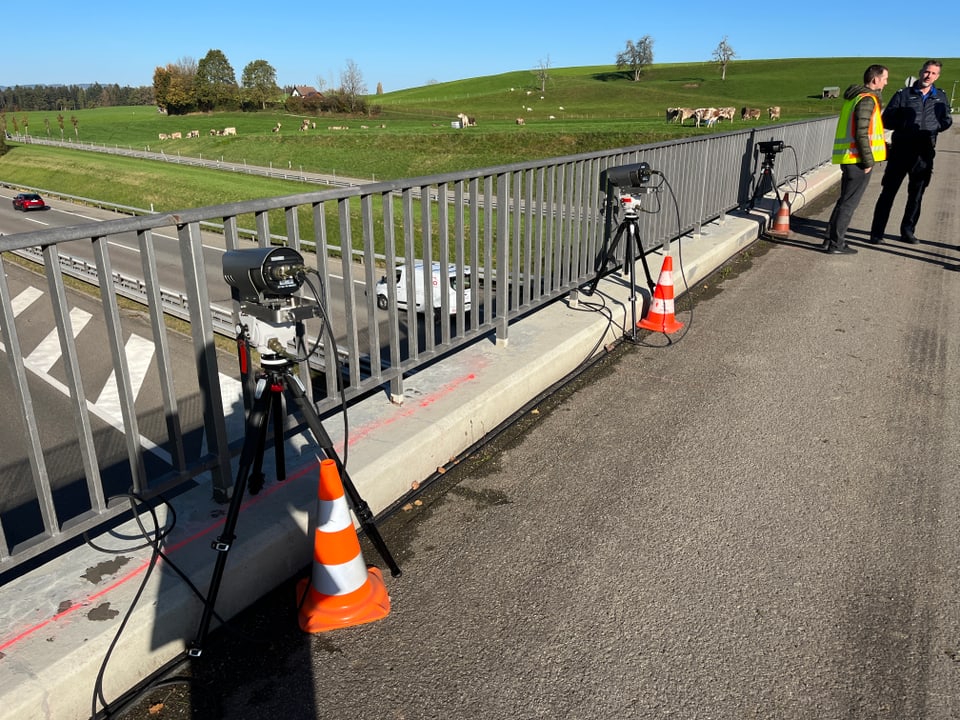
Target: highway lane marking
(46, 354)
(25, 299)
(139, 352)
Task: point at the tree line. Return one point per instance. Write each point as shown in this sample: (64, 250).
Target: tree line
(61, 98)
(189, 86)
(211, 84)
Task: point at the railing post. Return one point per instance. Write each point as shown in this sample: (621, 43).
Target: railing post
(205, 352)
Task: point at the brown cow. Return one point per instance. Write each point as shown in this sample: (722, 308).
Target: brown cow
(774, 112)
(708, 116)
(750, 113)
(726, 113)
(684, 113)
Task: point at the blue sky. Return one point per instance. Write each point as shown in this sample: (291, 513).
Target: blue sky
(405, 45)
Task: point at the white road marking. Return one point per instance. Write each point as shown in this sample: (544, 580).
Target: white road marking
(46, 354)
(139, 352)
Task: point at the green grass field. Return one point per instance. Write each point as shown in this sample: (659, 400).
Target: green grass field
(410, 133)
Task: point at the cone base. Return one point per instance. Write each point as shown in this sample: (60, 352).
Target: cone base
(321, 613)
(781, 234)
(668, 325)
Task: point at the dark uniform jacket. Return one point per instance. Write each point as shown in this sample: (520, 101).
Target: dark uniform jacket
(915, 122)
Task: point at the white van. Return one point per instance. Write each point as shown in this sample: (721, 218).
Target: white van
(441, 283)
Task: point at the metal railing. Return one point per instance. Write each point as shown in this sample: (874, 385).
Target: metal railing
(522, 235)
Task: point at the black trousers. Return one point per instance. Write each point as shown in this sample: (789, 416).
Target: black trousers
(900, 165)
(853, 183)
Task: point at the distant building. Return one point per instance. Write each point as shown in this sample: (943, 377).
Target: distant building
(304, 91)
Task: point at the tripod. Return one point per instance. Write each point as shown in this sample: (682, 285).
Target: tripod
(275, 379)
(766, 178)
(607, 262)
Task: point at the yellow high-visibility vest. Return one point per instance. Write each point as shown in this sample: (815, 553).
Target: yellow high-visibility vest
(845, 150)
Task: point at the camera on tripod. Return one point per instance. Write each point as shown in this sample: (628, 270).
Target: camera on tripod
(264, 281)
(770, 147)
(628, 178)
(259, 275)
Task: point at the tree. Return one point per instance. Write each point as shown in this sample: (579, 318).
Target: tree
(352, 87)
(215, 82)
(542, 73)
(722, 55)
(173, 87)
(636, 57)
(259, 81)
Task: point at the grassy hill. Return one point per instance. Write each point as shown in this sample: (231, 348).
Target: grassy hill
(408, 134)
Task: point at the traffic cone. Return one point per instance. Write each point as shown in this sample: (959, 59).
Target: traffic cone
(660, 315)
(343, 592)
(781, 223)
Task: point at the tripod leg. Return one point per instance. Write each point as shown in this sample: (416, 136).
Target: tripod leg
(608, 252)
(360, 507)
(276, 391)
(251, 455)
(263, 396)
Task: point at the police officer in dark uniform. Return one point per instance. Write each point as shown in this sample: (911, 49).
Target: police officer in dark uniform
(916, 114)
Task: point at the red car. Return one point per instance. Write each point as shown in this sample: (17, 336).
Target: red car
(28, 201)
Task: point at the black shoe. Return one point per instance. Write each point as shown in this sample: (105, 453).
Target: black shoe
(907, 236)
(876, 240)
(845, 250)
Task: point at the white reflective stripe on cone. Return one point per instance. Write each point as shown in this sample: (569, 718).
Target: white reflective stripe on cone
(340, 579)
(333, 515)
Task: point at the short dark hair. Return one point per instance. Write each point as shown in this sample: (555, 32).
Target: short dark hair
(928, 63)
(873, 72)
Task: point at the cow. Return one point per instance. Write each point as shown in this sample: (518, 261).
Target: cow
(750, 113)
(708, 116)
(193, 134)
(466, 121)
(520, 121)
(774, 112)
(164, 136)
(684, 113)
(726, 113)
(276, 128)
(672, 114)
(230, 131)
(176, 136)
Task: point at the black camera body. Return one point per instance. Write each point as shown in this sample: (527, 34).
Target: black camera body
(256, 274)
(770, 147)
(627, 177)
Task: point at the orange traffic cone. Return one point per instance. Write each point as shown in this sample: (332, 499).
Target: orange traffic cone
(781, 223)
(660, 316)
(343, 591)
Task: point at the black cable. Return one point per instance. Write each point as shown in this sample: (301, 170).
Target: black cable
(336, 360)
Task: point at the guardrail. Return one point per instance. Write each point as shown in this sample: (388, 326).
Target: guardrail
(541, 222)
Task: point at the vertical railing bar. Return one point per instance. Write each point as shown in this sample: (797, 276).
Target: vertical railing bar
(38, 467)
(393, 315)
(349, 302)
(121, 367)
(148, 263)
(201, 331)
(503, 254)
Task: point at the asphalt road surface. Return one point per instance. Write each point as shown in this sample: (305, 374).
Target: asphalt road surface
(757, 520)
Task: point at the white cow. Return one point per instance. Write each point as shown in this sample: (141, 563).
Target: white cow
(230, 131)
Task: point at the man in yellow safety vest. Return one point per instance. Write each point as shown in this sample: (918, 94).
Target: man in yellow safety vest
(858, 146)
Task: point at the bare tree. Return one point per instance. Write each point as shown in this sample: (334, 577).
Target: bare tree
(722, 55)
(542, 73)
(636, 57)
(352, 86)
